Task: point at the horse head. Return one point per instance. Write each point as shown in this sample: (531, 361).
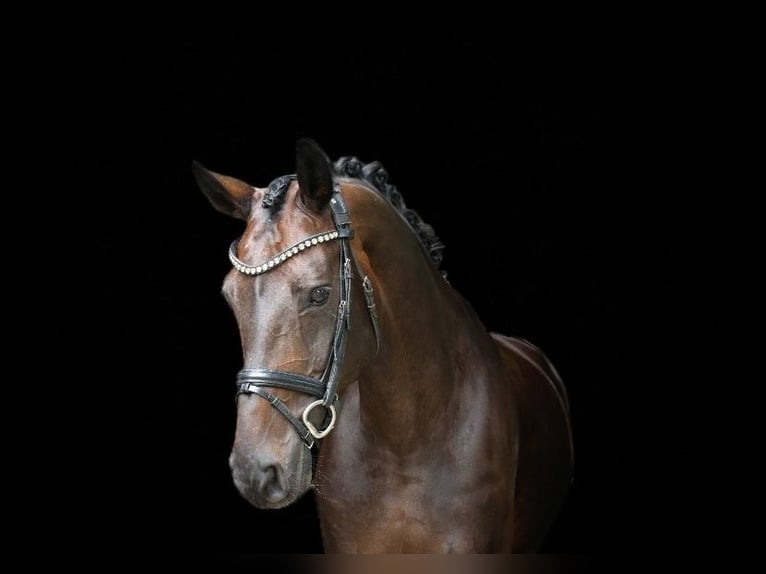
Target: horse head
(295, 289)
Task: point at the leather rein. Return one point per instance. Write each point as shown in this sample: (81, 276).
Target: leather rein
(324, 389)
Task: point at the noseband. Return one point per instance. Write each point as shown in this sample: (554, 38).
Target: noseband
(253, 381)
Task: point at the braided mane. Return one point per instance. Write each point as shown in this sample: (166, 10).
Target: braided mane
(376, 175)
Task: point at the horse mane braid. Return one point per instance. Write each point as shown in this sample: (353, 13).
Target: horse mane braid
(376, 175)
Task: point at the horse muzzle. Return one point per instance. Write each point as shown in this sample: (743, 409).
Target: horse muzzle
(268, 483)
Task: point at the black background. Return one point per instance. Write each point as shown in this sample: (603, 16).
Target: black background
(591, 174)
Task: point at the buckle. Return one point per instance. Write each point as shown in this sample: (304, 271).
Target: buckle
(317, 434)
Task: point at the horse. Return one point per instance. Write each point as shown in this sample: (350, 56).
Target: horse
(369, 379)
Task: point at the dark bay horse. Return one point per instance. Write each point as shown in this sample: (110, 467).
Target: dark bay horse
(367, 377)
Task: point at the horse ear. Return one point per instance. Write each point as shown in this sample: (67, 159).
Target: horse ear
(228, 195)
(314, 171)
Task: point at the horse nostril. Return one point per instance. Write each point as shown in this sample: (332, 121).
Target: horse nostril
(270, 483)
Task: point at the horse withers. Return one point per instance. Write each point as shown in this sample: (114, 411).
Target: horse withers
(368, 378)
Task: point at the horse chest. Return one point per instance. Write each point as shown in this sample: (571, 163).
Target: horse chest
(380, 508)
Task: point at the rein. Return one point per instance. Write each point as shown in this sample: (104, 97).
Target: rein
(253, 381)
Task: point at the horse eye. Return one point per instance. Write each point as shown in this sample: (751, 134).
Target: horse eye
(319, 295)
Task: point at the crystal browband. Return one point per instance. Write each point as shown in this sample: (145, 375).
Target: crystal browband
(281, 257)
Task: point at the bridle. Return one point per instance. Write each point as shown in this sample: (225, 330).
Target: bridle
(253, 381)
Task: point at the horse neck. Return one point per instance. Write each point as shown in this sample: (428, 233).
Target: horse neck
(427, 331)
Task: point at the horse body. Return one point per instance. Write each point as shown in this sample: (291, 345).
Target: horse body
(448, 438)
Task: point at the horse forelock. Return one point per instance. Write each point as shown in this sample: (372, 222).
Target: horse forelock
(274, 196)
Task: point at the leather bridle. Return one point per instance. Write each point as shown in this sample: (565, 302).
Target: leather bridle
(324, 389)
